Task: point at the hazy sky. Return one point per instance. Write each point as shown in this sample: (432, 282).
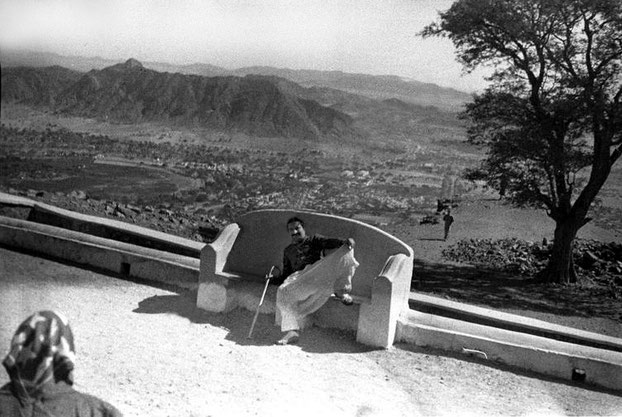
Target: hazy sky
(357, 36)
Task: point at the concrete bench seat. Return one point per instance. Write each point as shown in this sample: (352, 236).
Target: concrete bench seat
(356, 299)
(234, 265)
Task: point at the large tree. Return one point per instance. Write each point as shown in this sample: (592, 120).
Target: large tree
(552, 115)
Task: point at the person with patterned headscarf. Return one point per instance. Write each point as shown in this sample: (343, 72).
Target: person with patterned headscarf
(40, 365)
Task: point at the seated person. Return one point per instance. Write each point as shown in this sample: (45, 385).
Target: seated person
(40, 366)
(306, 284)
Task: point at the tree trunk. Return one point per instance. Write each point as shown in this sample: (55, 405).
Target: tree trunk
(560, 268)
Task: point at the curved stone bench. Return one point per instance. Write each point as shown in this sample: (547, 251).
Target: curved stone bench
(233, 267)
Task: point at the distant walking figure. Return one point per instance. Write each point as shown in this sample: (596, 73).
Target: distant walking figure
(448, 219)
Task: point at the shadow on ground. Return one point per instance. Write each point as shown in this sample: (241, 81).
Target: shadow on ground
(498, 290)
(238, 323)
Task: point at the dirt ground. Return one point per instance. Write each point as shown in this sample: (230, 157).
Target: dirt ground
(151, 352)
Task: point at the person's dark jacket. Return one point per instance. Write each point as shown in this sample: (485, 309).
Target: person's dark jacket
(54, 399)
(297, 256)
(40, 365)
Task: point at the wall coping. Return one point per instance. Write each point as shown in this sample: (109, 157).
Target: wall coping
(513, 322)
(542, 355)
(86, 239)
(13, 200)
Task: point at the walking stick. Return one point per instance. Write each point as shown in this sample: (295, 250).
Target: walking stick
(268, 276)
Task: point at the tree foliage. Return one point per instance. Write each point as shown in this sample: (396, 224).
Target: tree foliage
(552, 116)
(520, 161)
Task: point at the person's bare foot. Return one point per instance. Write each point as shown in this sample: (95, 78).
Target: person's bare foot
(347, 299)
(289, 339)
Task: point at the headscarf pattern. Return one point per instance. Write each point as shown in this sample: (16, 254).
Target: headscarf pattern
(42, 351)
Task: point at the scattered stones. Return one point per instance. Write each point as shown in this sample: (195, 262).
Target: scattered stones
(135, 209)
(588, 259)
(34, 193)
(208, 231)
(182, 222)
(78, 194)
(594, 260)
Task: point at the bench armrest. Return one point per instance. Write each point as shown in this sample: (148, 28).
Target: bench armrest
(398, 271)
(389, 297)
(214, 255)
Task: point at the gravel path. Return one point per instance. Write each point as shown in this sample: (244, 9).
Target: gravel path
(150, 352)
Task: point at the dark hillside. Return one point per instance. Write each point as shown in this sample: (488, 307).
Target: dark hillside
(388, 119)
(38, 86)
(378, 87)
(130, 93)
(374, 86)
(259, 105)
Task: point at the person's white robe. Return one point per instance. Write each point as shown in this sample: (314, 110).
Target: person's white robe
(305, 291)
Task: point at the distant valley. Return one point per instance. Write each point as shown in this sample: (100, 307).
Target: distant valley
(241, 141)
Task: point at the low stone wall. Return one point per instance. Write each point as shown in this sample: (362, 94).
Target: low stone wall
(104, 254)
(487, 317)
(55, 217)
(88, 240)
(103, 227)
(522, 342)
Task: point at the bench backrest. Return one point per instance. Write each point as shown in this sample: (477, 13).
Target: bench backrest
(263, 236)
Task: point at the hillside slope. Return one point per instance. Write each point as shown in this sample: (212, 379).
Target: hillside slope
(130, 93)
(39, 86)
(259, 105)
(378, 87)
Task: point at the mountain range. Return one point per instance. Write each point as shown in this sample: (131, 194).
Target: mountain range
(373, 86)
(260, 102)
